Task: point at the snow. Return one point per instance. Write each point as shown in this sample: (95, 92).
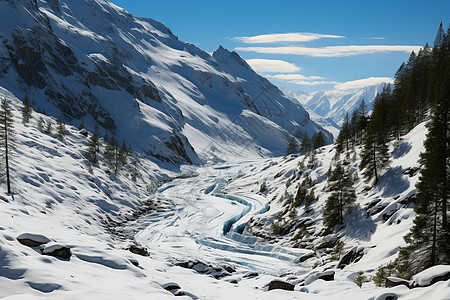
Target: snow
(197, 212)
(199, 215)
(425, 277)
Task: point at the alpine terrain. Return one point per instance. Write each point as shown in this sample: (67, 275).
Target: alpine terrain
(138, 166)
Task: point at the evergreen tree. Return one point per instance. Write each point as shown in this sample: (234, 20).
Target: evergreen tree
(123, 153)
(375, 154)
(6, 134)
(112, 154)
(40, 124)
(61, 129)
(292, 146)
(341, 199)
(26, 110)
(318, 140)
(429, 238)
(306, 144)
(48, 128)
(94, 146)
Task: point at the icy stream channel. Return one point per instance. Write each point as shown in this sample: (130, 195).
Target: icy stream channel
(206, 224)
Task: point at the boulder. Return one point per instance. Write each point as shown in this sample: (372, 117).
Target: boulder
(56, 250)
(394, 281)
(387, 296)
(354, 255)
(278, 284)
(139, 250)
(32, 240)
(327, 276)
(430, 276)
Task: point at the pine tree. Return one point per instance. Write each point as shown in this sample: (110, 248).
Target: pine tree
(429, 238)
(292, 146)
(94, 146)
(342, 197)
(306, 144)
(61, 129)
(6, 134)
(48, 128)
(318, 140)
(26, 110)
(112, 154)
(123, 153)
(40, 124)
(375, 154)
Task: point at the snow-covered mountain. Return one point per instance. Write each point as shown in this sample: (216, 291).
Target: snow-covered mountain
(93, 61)
(333, 104)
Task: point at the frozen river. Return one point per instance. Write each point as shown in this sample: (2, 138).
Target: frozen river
(206, 224)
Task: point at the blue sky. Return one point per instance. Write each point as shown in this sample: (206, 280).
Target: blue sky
(304, 45)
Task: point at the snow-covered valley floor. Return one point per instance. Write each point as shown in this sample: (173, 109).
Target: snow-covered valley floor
(198, 218)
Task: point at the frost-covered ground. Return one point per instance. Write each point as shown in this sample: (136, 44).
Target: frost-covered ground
(198, 217)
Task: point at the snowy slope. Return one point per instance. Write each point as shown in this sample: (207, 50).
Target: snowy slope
(343, 98)
(92, 60)
(199, 216)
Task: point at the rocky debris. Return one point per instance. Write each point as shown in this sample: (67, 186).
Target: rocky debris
(32, 240)
(278, 284)
(56, 250)
(139, 250)
(326, 276)
(217, 272)
(354, 255)
(395, 281)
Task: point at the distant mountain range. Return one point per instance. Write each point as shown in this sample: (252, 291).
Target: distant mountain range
(329, 107)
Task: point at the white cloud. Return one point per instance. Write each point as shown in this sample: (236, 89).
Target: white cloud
(304, 82)
(355, 84)
(375, 38)
(285, 37)
(272, 66)
(295, 77)
(331, 51)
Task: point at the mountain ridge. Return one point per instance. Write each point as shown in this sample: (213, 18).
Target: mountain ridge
(185, 105)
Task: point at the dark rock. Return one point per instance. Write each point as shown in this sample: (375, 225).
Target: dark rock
(233, 281)
(170, 286)
(251, 275)
(32, 240)
(326, 276)
(56, 250)
(139, 250)
(394, 281)
(387, 296)
(305, 257)
(278, 284)
(354, 255)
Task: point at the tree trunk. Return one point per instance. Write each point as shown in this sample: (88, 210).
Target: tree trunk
(8, 184)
